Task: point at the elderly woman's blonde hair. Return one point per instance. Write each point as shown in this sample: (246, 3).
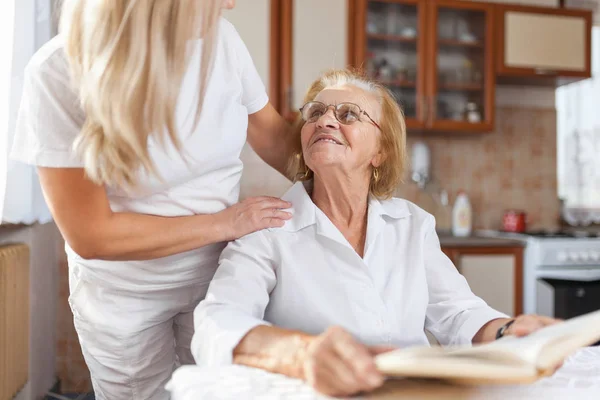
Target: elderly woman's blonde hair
(389, 174)
(128, 59)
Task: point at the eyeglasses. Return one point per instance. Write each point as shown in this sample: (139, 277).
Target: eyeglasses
(345, 113)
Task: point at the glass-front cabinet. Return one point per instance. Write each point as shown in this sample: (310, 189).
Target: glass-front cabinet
(394, 50)
(436, 57)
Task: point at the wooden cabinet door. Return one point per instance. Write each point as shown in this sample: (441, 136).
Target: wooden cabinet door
(493, 273)
(460, 66)
(491, 277)
(543, 42)
(390, 45)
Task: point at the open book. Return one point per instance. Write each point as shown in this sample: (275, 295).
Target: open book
(507, 360)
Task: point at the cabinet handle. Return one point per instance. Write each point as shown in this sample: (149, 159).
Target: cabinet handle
(433, 108)
(544, 71)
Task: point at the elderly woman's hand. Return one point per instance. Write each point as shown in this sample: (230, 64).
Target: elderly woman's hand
(336, 364)
(526, 324)
(522, 325)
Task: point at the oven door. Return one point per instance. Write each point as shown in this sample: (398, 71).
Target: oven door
(567, 292)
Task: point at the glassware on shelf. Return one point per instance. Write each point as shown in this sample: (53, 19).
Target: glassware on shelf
(376, 23)
(371, 65)
(473, 115)
(408, 32)
(385, 71)
(402, 74)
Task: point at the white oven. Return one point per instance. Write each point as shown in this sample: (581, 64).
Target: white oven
(561, 275)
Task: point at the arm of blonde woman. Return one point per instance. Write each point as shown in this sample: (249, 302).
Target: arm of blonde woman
(270, 136)
(83, 215)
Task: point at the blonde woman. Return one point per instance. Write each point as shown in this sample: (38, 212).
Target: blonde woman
(135, 116)
(355, 272)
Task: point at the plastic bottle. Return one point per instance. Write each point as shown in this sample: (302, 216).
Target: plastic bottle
(443, 215)
(462, 215)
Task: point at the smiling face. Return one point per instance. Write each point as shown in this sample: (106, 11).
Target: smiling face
(329, 145)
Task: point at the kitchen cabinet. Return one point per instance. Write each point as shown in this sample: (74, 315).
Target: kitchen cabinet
(441, 59)
(546, 46)
(435, 56)
(494, 273)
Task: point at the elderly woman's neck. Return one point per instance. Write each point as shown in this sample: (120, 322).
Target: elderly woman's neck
(344, 201)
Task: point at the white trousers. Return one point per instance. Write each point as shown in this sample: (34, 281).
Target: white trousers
(132, 340)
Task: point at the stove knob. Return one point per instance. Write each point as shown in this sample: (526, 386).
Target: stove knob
(584, 256)
(594, 256)
(573, 257)
(561, 256)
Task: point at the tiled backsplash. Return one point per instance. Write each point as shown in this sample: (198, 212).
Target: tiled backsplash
(513, 167)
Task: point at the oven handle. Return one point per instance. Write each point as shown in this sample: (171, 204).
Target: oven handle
(573, 274)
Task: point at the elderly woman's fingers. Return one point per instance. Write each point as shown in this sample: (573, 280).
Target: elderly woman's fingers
(527, 324)
(375, 350)
(327, 382)
(332, 373)
(339, 374)
(359, 358)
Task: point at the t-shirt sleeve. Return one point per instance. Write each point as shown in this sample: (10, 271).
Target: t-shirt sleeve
(50, 115)
(254, 96)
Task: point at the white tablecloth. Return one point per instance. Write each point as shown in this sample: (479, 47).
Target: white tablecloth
(579, 378)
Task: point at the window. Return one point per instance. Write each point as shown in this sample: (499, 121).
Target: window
(7, 18)
(578, 144)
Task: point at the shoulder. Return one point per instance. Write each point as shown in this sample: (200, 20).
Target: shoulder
(228, 34)
(49, 61)
(232, 41)
(226, 27)
(399, 208)
(256, 243)
(48, 75)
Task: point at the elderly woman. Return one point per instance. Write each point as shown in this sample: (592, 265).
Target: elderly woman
(354, 272)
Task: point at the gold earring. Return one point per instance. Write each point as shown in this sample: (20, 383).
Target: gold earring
(375, 174)
(306, 173)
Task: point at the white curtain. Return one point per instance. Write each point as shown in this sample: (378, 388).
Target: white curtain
(31, 27)
(578, 128)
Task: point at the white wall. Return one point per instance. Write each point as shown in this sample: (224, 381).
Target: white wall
(252, 20)
(320, 42)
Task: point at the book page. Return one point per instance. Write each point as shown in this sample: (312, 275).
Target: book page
(549, 345)
(506, 359)
(437, 362)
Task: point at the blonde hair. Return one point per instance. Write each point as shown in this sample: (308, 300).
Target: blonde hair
(393, 132)
(128, 59)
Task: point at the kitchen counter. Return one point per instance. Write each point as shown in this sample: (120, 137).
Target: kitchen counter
(447, 240)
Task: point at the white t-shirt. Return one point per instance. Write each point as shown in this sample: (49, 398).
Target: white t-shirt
(204, 180)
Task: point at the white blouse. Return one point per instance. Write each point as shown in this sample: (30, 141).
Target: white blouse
(306, 276)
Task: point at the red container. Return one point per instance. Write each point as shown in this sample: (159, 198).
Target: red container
(514, 221)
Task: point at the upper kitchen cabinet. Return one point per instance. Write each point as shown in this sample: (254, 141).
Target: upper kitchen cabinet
(460, 66)
(544, 46)
(435, 56)
(390, 44)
